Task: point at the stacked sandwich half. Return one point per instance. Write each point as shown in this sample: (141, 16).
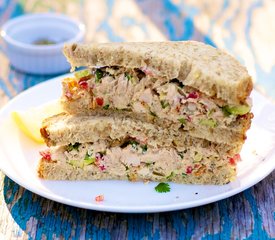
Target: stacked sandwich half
(168, 111)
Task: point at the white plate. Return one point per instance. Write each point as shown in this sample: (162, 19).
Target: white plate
(19, 157)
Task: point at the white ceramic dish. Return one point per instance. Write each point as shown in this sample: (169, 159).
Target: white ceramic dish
(19, 157)
(20, 34)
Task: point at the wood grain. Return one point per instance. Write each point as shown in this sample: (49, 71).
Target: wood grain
(247, 215)
(244, 28)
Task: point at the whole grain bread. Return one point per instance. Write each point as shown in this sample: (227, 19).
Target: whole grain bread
(63, 129)
(124, 122)
(210, 70)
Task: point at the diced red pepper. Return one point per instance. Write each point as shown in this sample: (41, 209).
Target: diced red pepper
(99, 198)
(238, 157)
(99, 101)
(193, 95)
(235, 159)
(189, 170)
(102, 167)
(46, 155)
(83, 84)
(232, 161)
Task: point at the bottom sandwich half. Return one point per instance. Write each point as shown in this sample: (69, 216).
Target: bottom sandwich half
(95, 162)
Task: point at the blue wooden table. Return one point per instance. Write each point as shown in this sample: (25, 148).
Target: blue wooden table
(245, 28)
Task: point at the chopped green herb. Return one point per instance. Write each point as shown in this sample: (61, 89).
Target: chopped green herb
(180, 154)
(175, 80)
(153, 114)
(144, 148)
(169, 177)
(102, 152)
(98, 75)
(184, 174)
(225, 112)
(71, 147)
(134, 144)
(182, 121)
(149, 164)
(208, 122)
(164, 104)
(128, 76)
(162, 187)
(106, 107)
(83, 73)
(209, 113)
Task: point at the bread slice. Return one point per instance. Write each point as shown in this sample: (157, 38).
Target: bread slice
(195, 64)
(63, 129)
(98, 161)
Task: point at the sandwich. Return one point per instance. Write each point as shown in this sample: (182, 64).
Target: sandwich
(167, 111)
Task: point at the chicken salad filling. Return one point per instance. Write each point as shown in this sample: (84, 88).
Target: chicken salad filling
(136, 157)
(129, 89)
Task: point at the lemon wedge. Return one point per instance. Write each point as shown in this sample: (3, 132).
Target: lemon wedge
(29, 121)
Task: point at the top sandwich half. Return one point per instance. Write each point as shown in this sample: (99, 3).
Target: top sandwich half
(187, 85)
(194, 64)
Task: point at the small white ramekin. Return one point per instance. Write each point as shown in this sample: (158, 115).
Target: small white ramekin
(20, 33)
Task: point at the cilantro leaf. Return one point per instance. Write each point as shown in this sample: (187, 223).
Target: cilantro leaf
(128, 76)
(180, 154)
(225, 111)
(144, 148)
(98, 75)
(71, 147)
(162, 187)
(182, 121)
(106, 106)
(164, 103)
(153, 114)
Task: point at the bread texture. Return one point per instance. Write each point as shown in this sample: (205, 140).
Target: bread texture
(195, 64)
(63, 129)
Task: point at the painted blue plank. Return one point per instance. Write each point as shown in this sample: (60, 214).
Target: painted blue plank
(105, 26)
(4, 87)
(61, 220)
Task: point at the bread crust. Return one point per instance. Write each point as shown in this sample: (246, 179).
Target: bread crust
(210, 70)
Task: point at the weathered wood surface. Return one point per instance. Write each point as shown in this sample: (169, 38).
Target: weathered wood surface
(248, 215)
(244, 28)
